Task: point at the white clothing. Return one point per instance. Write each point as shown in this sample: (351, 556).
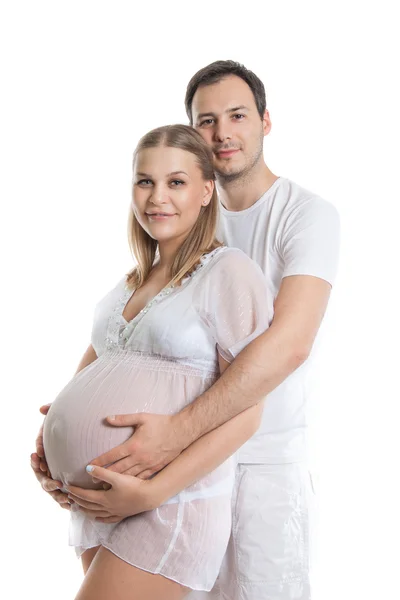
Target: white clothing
(269, 551)
(159, 362)
(288, 231)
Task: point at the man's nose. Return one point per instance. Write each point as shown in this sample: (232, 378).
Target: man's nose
(222, 132)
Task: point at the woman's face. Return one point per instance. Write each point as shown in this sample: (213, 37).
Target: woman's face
(168, 193)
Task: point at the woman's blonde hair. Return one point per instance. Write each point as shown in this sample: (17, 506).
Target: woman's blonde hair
(201, 238)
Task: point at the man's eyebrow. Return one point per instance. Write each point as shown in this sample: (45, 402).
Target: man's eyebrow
(237, 108)
(229, 110)
(207, 114)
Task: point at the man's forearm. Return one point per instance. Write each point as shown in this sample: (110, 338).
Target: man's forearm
(255, 372)
(205, 455)
(266, 362)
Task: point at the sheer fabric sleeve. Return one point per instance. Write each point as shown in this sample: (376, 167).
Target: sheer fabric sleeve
(232, 300)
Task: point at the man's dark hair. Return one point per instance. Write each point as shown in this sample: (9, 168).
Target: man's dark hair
(219, 70)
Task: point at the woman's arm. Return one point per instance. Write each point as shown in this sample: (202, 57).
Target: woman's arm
(205, 454)
(89, 357)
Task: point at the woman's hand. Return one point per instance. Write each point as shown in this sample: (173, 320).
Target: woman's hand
(39, 442)
(41, 470)
(126, 497)
(52, 487)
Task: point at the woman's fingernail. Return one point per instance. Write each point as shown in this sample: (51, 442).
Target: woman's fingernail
(112, 417)
(89, 468)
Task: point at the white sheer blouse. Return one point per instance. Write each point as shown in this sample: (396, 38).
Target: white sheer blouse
(159, 362)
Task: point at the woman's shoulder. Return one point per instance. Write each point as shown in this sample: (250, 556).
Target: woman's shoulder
(113, 290)
(231, 261)
(232, 256)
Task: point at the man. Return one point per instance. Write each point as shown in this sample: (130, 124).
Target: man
(293, 235)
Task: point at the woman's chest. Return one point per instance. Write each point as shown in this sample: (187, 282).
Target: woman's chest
(168, 325)
(142, 297)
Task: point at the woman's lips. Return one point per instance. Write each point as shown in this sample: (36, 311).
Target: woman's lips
(159, 216)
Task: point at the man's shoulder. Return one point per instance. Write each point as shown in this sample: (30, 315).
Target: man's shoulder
(294, 198)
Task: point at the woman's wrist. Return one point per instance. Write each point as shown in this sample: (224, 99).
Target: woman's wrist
(154, 496)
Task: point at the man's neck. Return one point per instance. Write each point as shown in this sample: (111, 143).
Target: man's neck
(244, 192)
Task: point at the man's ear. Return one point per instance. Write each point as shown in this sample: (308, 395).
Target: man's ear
(266, 121)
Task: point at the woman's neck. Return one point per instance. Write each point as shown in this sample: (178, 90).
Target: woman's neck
(167, 252)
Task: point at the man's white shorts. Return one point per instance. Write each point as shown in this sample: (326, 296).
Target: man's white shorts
(268, 555)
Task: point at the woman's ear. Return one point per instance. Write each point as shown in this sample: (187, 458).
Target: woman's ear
(208, 192)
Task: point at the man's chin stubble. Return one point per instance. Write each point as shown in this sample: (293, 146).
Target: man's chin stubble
(224, 177)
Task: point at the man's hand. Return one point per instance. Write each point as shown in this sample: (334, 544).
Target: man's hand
(49, 485)
(126, 496)
(156, 441)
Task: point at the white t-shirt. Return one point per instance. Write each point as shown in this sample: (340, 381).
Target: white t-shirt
(288, 231)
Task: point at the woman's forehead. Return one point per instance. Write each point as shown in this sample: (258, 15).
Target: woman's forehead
(165, 160)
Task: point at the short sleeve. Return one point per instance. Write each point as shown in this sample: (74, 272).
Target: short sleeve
(310, 240)
(103, 309)
(232, 300)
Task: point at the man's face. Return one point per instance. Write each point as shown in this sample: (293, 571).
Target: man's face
(226, 116)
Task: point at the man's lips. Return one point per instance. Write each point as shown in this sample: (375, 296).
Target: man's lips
(227, 153)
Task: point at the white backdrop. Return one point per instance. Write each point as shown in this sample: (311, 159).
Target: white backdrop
(81, 82)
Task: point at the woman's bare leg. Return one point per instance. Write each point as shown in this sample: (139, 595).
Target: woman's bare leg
(87, 558)
(111, 578)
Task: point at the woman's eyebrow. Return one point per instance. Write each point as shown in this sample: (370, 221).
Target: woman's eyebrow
(141, 174)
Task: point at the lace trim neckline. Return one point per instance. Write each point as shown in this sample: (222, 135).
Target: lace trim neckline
(120, 329)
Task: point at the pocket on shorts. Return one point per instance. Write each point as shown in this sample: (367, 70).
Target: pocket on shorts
(270, 525)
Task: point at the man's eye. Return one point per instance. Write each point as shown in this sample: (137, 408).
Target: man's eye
(144, 182)
(238, 117)
(177, 182)
(206, 122)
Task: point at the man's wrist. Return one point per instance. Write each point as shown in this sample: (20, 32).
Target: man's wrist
(184, 427)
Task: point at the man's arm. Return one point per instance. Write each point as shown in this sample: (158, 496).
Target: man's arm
(266, 362)
(129, 496)
(255, 372)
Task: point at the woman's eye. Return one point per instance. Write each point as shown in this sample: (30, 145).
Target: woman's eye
(177, 182)
(144, 182)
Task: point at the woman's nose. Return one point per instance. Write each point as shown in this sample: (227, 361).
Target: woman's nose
(159, 195)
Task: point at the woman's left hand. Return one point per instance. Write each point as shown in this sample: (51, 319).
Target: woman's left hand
(126, 497)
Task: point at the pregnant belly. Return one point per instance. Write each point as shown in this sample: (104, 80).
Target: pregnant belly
(75, 430)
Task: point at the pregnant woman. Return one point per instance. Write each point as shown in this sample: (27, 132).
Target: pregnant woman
(160, 338)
